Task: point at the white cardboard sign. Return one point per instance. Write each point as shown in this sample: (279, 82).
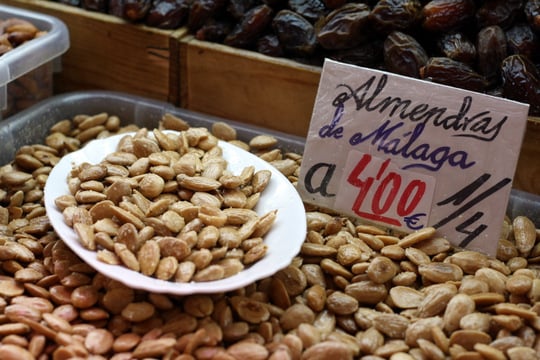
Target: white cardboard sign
(407, 154)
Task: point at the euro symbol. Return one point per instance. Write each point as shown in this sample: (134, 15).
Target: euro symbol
(412, 221)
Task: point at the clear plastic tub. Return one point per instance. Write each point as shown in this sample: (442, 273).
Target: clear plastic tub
(26, 71)
(32, 125)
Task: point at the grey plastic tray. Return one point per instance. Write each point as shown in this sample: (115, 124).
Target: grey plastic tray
(32, 125)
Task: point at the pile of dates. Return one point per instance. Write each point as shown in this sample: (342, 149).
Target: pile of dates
(489, 46)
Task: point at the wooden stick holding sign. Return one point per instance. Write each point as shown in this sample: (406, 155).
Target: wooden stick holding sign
(407, 154)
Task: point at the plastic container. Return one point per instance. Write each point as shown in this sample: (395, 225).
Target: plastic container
(26, 71)
(32, 125)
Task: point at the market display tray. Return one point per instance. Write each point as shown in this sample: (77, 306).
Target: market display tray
(32, 125)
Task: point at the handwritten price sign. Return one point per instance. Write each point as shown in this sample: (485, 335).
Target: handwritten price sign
(407, 154)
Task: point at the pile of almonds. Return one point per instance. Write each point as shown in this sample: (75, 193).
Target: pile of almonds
(354, 291)
(166, 205)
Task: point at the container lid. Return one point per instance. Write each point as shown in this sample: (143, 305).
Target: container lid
(36, 52)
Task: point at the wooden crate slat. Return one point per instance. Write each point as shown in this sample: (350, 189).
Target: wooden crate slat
(245, 86)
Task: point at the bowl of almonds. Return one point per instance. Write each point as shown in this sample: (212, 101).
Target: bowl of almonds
(176, 212)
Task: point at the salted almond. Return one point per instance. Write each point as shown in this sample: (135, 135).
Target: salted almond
(166, 268)
(406, 297)
(165, 141)
(143, 146)
(125, 216)
(488, 298)
(262, 142)
(209, 273)
(102, 210)
(417, 236)
(173, 122)
(198, 183)
(437, 272)
(524, 234)
(85, 235)
(148, 257)
(469, 261)
(514, 309)
(436, 299)
(469, 338)
(223, 131)
(458, 306)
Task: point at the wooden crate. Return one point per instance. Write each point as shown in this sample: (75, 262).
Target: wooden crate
(527, 176)
(109, 53)
(246, 86)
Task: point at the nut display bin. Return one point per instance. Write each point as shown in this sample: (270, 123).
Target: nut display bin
(167, 326)
(26, 72)
(16, 131)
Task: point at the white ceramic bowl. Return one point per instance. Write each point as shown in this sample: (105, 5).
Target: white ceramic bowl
(284, 239)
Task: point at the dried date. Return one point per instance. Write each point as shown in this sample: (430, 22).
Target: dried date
(491, 50)
(521, 82)
(311, 10)
(369, 54)
(498, 12)
(214, 30)
(276, 4)
(447, 15)
(464, 35)
(95, 5)
(532, 13)
(295, 33)
(403, 54)
(135, 10)
(251, 27)
(453, 73)
(334, 4)
(521, 39)
(203, 10)
(345, 27)
(269, 45)
(116, 8)
(238, 8)
(389, 15)
(167, 14)
(457, 46)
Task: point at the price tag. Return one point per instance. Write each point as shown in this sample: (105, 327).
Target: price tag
(384, 192)
(407, 153)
